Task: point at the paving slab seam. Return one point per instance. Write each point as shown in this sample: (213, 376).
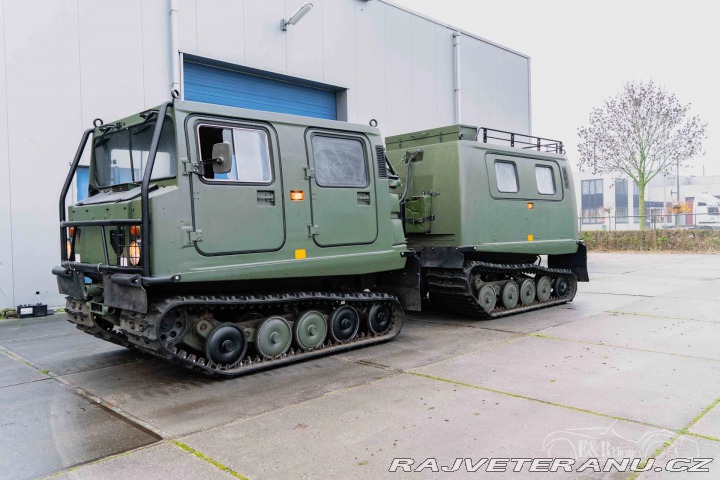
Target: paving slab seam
(368, 363)
(517, 336)
(97, 369)
(26, 383)
(685, 431)
(617, 312)
(478, 324)
(101, 403)
(298, 404)
(670, 295)
(586, 342)
(41, 337)
(538, 400)
(14, 356)
(563, 323)
(475, 325)
(140, 424)
(207, 459)
(96, 461)
(704, 437)
(622, 294)
(410, 372)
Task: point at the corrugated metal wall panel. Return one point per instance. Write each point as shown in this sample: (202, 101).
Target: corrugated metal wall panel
(40, 37)
(353, 54)
(206, 83)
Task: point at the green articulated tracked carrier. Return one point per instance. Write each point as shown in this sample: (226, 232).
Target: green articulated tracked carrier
(229, 240)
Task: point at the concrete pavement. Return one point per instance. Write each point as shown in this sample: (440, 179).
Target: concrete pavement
(630, 368)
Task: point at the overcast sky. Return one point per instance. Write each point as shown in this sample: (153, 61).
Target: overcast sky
(582, 52)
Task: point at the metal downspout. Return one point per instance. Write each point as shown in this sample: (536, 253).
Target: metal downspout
(175, 48)
(456, 64)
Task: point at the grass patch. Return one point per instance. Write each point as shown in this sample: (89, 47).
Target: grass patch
(677, 241)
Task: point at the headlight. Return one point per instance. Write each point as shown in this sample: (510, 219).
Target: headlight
(134, 252)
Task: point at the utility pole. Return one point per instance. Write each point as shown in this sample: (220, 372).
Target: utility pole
(677, 175)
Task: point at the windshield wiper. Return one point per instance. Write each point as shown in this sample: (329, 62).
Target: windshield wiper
(148, 114)
(111, 126)
(142, 127)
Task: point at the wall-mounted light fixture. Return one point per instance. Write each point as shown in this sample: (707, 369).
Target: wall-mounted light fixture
(295, 18)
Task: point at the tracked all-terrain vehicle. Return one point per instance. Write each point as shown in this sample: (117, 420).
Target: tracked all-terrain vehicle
(229, 240)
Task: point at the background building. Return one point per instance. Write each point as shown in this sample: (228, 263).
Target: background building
(611, 202)
(64, 63)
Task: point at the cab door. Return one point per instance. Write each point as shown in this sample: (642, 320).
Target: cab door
(240, 211)
(342, 185)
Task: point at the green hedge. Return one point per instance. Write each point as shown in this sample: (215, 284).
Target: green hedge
(700, 241)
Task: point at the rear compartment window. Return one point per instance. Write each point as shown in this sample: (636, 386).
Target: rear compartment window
(506, 175)
(251, 153)
(545, 180)
(339, 162)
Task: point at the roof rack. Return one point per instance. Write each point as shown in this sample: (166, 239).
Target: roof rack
(525, 141)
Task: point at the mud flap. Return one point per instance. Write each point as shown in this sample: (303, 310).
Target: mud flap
(404, 284)
(577, 262)
(70, 282)
(125, 292)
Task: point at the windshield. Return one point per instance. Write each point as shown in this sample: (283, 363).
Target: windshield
(120, 156)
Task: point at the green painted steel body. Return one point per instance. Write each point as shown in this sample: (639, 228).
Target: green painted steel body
(260, 239)
(211, 232)
(458, 174)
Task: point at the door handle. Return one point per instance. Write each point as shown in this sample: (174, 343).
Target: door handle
(266, 197)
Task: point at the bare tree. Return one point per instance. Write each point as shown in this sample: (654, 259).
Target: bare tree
(641, 132)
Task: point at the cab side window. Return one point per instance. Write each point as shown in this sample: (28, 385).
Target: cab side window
(251, 153)
(339, 162)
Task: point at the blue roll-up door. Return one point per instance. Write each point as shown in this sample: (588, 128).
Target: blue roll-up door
(210, 84)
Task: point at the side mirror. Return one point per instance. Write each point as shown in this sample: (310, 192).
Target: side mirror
(222, 157)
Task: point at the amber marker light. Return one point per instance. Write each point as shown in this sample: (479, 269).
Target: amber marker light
(134, 253)
(531, 205)
(531, 238)
(135, 230)
(297, 195)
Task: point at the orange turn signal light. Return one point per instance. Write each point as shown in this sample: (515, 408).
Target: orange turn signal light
(531, 205)
(297, 195)
(71, 230)
(135, 230)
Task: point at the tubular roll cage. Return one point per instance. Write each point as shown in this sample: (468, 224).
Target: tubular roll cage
(528, 141)
(144, 222)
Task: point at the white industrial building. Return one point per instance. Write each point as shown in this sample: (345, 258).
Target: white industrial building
(611, 201)
(64, 63)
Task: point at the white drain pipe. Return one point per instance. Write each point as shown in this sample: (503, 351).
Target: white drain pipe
(458, 91)
(175, 48)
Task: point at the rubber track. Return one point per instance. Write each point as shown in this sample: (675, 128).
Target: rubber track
(299, 300)
(451, 287)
